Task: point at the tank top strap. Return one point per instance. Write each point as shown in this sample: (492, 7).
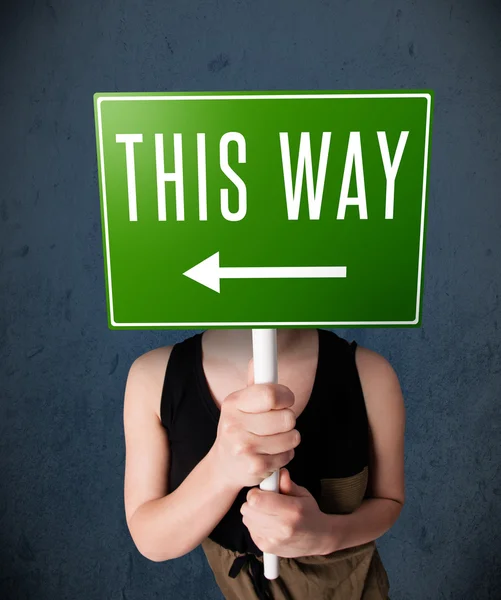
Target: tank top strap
(179, 371)
(336, 358)
(336, 346)
(339, 357)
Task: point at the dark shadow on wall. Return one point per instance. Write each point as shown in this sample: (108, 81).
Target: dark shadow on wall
(14, 15)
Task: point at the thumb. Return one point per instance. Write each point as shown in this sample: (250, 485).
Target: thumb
(288, 487)
(250, 372)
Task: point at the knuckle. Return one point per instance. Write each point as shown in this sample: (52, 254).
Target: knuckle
(270, 544)
(289, 418)
(240, 448)
(255, 466)
(227, 405)
(255, 497)
(228, 426)
(288, 456)
(268, 396)
(285, 458)
(286, 531)
(288, 394)
(297, 512)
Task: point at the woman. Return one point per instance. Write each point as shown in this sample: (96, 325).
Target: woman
(200, 436)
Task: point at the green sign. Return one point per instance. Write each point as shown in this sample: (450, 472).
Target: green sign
(263, 209)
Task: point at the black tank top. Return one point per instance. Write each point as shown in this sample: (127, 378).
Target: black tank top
(333, 426)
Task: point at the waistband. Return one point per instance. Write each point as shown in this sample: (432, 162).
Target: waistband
(256, 572)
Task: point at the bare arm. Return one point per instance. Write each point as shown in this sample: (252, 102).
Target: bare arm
(164, 525)
(255, 437)
(386, 495)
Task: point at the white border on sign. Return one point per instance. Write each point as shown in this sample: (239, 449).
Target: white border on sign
(263, 97)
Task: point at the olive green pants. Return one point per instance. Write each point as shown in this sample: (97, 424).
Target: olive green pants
(351, 574)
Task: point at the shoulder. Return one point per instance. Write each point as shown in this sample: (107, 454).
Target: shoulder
(373, 366)
(145, 379)
(379, 381)
(151, 362)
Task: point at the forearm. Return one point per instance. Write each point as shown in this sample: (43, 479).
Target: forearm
(174, 525)
(370, 521)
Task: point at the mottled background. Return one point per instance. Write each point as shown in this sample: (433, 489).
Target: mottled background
(62, 372)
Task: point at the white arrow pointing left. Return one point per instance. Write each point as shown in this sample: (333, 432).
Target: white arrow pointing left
(209, 273)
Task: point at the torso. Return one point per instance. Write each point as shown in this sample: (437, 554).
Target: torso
(329, 407)
(338, 483)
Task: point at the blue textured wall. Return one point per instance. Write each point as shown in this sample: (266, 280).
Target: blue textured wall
(62, 372)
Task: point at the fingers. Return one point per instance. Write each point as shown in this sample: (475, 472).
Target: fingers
(256, 434)
(266, 464)
(263, 397)
(271, 423)
(274, 444)
(271, 445)
(269, 503)
(262, 524)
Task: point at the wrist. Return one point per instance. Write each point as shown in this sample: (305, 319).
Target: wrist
(331, 539)
(217, 476)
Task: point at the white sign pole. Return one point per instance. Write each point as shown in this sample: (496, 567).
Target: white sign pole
(264, 350)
